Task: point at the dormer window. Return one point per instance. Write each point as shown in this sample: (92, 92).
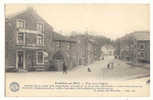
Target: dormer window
(39, 27)
(20, 23)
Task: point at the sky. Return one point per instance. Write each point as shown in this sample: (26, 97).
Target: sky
(110, 20)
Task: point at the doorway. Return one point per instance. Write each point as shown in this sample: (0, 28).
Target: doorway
(20, 59)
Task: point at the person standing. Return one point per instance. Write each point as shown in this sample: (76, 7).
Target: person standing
(64, 68)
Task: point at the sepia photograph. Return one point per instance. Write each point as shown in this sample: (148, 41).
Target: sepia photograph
(77, 50)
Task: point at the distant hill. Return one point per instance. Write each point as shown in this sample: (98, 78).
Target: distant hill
(99, 40)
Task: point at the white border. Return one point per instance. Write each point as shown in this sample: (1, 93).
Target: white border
(2, 51)
(77, 1)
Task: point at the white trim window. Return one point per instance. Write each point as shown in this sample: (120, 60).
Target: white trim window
(20, 38)
(40, 57)
(20, 23)
(40, 27)
(39, 40)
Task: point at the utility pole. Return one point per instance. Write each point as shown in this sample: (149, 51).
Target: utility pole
(87, 48)
(119, 48)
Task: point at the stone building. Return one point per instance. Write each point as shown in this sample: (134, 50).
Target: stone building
(140, 46)
(32, 44)
(27, 38)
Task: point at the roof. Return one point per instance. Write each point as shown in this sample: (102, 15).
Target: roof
(92, 41)
(59, 37)
(141, 35)
(20, 12)
(30, 11)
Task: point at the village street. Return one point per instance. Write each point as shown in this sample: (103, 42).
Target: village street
(99, 71)
(121, 71)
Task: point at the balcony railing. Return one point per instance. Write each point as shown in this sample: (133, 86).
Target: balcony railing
(29, 31)
(26, 44)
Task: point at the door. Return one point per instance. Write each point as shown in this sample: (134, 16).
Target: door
(59, 63)
(20, 59)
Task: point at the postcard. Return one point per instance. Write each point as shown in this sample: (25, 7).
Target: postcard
(66, 50)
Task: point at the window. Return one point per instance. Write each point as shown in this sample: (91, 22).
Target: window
(68, 45)
(135, 46)
(20, 38)
(62, 44)
(20, 24)
(40, 27)
(58, 44)
(142, 46)
(142, 54)
(40, 58)
(39, 40)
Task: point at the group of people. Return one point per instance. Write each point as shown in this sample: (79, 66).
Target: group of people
(110, 65)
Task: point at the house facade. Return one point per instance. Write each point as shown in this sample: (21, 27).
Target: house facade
(93, 51)
(32, 44)
(124, 53)
(27, 40)
(86, 49)
(107, 51)
(140, 47)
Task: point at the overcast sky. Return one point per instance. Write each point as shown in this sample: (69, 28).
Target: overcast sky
(110, 20)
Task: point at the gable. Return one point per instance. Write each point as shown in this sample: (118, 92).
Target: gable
(31, 18)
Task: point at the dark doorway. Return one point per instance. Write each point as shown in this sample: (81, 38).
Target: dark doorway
(58, 60)
(20, 59)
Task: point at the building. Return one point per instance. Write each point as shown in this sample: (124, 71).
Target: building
(93, 51)
(86, 49)
(124, 53)
(107, 51)
(81, 49)
(32, 44)
(140, 46)
(27, 39)
(90, 51)
(64, 52)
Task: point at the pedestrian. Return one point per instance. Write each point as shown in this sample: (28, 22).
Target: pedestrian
(89, 70)
(64, 68)
(108, 65)
(148, 81)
